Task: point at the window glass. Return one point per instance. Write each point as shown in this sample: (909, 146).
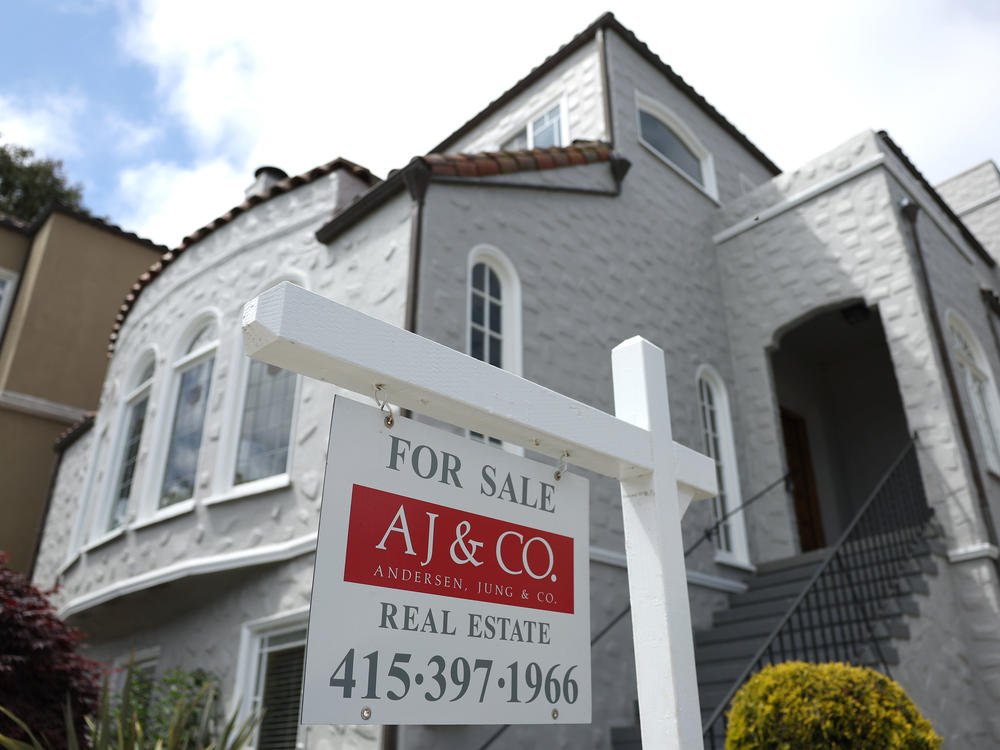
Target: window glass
(130, 453)
(185, 437)
(713, 448)
(7, 280)
(485, 324)
(266, 423)
(134, 420)
(669, 145)
(546, 130)
(278, 689)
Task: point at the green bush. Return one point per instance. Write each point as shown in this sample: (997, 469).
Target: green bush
(188, 722)
(798, 705)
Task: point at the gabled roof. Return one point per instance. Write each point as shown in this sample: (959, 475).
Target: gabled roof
(604, 23)
(80, 214)
(487, 164)
(284, 186)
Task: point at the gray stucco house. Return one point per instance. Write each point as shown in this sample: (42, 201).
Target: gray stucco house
(831, 335)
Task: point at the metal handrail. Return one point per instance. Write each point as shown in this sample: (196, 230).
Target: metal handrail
(835, 553)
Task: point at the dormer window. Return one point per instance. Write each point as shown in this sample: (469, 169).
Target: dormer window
(664, 134)
(543, 131)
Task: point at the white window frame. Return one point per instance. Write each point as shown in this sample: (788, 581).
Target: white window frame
(181, 362)
(526, 124)
(510, 304)
(223, 486)
(98, 525)
(252, 635)
(668, 117)
(739, 555)
(977, 367)
(7, 303)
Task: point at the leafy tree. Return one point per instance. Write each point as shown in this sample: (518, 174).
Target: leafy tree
(28, 184)
(40, 667)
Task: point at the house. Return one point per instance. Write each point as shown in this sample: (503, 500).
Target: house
(61, 280)
(830, 338)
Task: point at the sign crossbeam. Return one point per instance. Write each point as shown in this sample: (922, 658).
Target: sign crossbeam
(304, 332)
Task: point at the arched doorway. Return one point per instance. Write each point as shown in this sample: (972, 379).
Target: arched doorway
(842, 417)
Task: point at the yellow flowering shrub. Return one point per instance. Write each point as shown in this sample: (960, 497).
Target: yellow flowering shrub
(797, 705)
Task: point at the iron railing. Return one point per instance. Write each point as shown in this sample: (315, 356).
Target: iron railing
(840, 615)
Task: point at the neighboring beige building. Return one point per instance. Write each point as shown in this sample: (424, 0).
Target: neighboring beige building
(62, 279)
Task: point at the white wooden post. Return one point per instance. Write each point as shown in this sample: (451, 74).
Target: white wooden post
(309, 334)
(651, 512)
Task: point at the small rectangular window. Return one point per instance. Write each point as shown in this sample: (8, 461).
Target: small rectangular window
(544, 131)
(278, 689)
(130, 454)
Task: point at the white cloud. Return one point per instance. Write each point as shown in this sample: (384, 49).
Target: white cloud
(165, 201)
(251, 82)
(128, 137)
(48, 124)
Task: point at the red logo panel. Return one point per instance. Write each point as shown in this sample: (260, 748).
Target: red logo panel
(398, 542)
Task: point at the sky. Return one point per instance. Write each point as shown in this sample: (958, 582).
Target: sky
(162, 109)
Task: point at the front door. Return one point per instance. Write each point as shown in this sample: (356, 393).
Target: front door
(803, 481)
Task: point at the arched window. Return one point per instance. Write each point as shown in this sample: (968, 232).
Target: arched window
(494, 330)
(717, 428)
(192, 377)
(980, 386)
(136, 402)
(666, 135)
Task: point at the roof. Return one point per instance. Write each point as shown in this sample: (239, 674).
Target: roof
(9, 222)
(74, 432)
(280, 188)
(608, 22)
(975, 244)
(486, 164)
(507, 162)
(87, 218)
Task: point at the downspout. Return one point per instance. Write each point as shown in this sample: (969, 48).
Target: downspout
(910, 209)
(417, 177)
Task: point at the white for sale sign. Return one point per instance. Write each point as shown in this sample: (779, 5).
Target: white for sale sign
(451, 582)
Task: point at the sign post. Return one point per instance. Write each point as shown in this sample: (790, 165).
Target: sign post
(306, 333)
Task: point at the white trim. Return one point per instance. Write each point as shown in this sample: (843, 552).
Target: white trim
(510, 303)
(694, 577)
(739, 554)
(41, 407)
(7, 301)
(970, 207)
(81, 524)
(608, 557)
(716, 583)
(799, 198)
(977, 367)
(266, 553)
(897, 172)
(976, 551)
(686, 135)
(103, 539)
(256, 487)
(165, 513)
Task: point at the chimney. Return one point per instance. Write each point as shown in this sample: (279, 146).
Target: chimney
(264, 179)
